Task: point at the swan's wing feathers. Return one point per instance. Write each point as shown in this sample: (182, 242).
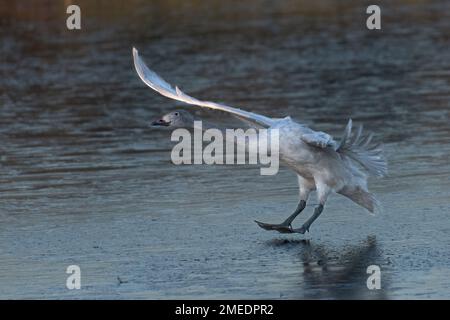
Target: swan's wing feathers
(158, 84)
(151, 79)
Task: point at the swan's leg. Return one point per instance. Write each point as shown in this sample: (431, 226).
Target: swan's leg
(305, 188)
(284, 227)
(322, 194)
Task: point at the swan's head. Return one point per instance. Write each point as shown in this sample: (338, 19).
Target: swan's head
(175, 119)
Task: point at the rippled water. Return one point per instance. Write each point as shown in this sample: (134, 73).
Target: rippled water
(85, 181)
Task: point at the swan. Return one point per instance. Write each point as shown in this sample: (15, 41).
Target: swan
(320, 162)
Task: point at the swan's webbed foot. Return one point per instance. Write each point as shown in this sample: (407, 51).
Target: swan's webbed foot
(282, 227)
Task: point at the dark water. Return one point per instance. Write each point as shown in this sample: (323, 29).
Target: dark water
(84, 180)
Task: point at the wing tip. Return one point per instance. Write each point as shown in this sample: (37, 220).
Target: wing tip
(135, 55)
(137, 64)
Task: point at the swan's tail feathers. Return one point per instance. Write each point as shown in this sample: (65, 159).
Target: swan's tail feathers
(358, 147)
(363, 198)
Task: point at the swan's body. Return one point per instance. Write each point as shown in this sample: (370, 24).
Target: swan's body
(320, 163)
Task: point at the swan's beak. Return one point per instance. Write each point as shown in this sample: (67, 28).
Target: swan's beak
(160, 123)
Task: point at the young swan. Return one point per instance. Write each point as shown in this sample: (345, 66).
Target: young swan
(320, 162)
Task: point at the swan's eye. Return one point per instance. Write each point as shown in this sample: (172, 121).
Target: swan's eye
(176, 114)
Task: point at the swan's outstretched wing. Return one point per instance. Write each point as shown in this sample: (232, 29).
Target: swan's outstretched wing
(319, 139)
(158, 84)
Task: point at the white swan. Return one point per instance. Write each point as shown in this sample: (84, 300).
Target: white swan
(320, 162)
